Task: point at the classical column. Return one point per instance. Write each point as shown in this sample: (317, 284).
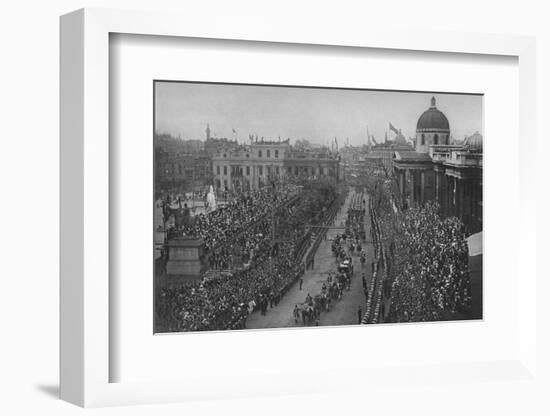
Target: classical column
(402, 184)
(457, 198)
(468, 203)
(404, 190)
(465, 202)
(229, 176)
(437, 187)
(445, 195)
(452, 196)
(451, 184)
(411, 189)
(422, 187)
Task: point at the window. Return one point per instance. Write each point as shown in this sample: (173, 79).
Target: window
(225, 170)
(248, 155)
(269, 169)
(261, 170)
(179, 168)
(276, 153)
(248, 171)
(277, 169)
(268, 153)
(259, 153)
(224, 155)
(218, 170)
(436, 139)
(423, 139)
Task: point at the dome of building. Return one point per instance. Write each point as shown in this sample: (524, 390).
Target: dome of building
(433, 120)
(474, 142)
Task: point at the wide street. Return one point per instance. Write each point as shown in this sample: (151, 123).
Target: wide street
(343, 311)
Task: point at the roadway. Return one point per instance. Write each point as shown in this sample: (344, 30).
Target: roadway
(342, 312)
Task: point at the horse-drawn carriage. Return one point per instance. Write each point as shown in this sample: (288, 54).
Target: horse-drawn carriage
(346, 266)
(310, 311)
(307, 313)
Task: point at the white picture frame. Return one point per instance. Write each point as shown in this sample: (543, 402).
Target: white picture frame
(84, 219)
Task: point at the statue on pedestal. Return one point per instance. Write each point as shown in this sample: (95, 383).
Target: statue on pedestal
(210, 200)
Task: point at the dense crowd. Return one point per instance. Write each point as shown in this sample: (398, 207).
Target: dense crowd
(235, 232)
(226, 302)
(432, 280)
(217, 227)
(256, 236)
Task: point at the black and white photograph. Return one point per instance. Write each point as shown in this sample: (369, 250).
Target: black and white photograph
(298, 206)
(222, 208)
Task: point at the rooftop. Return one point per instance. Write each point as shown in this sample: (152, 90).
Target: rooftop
(412, 156)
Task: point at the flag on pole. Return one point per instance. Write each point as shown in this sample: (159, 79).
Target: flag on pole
(392, 128)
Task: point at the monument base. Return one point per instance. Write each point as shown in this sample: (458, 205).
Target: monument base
(185, 261)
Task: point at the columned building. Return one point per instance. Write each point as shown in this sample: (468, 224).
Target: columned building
(312, 163)
(437, 170)
(251, 167)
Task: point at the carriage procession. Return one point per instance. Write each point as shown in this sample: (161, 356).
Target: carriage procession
(344, 246)
(351, 242)
(309, 312)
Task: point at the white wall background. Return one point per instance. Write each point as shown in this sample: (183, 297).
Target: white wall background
(29, 207)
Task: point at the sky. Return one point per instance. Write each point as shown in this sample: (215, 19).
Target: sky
(315, 114)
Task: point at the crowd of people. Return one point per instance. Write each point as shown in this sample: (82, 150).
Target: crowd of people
(217, 227)
(380, 278)
(246, 236)
(430, 259)
(225, 303)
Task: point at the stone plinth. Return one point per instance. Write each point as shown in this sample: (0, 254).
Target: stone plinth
(185, 258)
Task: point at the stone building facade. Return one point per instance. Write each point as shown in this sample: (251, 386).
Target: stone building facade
(182, 170)
(251, 167)
(437, 170)
(312, 163)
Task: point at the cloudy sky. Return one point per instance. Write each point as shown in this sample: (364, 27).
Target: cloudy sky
(318, 115)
